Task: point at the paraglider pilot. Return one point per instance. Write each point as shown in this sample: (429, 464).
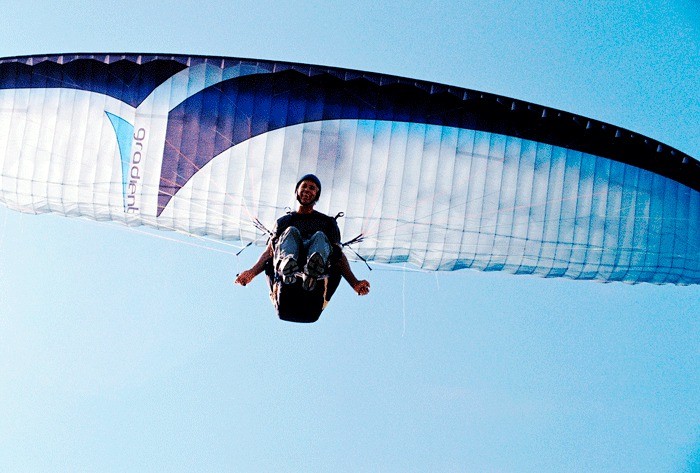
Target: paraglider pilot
(304, 260)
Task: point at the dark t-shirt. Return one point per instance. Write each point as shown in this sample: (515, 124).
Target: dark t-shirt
(308, 224)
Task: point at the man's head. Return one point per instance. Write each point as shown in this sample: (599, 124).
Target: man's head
(308, 190)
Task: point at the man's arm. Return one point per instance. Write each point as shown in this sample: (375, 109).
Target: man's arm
(360, 287)
(246, 276)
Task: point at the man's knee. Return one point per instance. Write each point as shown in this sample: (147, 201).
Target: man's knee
(288, 244)
(292, 232)
(320, 237)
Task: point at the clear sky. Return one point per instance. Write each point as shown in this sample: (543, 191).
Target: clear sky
(121, 351)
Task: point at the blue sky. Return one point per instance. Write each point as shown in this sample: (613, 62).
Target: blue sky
(123, 351)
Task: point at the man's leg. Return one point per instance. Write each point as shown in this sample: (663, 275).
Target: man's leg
(286, 257)
(319, 250)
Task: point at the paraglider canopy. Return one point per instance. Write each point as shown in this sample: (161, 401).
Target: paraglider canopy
(440, 177)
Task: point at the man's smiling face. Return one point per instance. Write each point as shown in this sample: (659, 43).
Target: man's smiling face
(307, 193)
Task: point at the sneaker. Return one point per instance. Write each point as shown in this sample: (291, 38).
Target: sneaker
(315, 267)
(288, 268)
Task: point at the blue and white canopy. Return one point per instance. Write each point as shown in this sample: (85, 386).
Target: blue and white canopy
(437, 176)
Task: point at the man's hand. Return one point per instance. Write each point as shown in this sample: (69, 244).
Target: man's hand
(245, 277)
(361, 287)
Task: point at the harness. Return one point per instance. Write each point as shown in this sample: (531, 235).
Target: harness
(291, 301)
